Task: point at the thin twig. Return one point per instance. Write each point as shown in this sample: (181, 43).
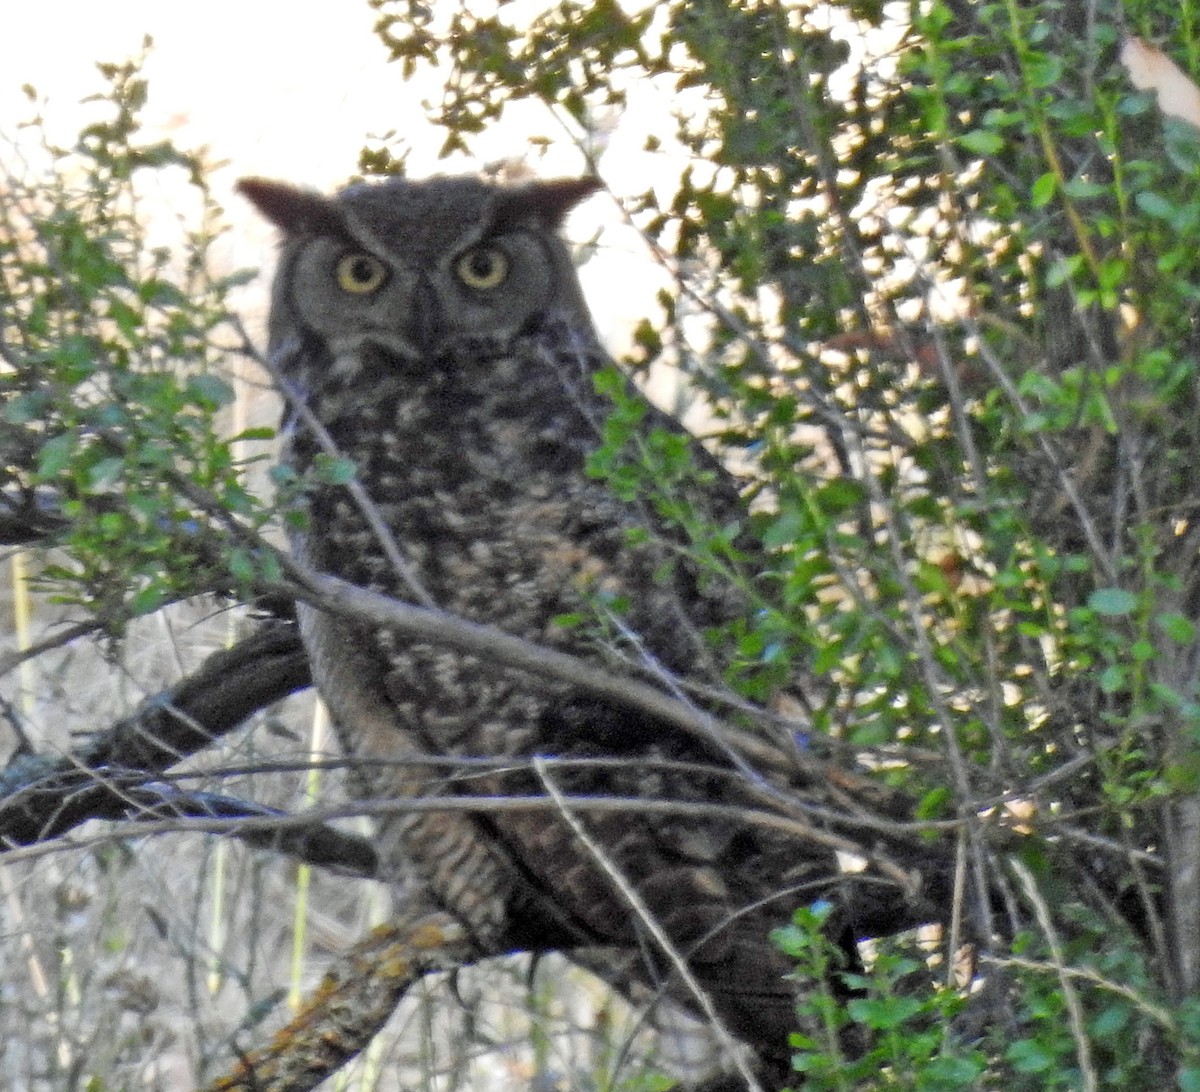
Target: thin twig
(1161, 1016)
(243, 826)
(438, 627)
(274, 365)
(1065, 482)
(640, 908)
(47, 644)
(1074, 1008)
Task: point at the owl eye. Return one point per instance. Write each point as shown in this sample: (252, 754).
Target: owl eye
(482, 267)
(360, 273)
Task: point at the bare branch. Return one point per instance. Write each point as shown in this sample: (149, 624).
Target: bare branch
(642, 911)
(352, 1003)
(43, 796)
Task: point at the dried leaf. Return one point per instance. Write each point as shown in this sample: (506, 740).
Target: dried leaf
(1150, 69)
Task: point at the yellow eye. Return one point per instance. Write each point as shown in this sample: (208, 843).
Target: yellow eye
(360, 273)
(482, 267)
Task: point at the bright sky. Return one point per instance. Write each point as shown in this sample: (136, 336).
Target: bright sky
(280, 88)
(293, 90)
(286, 90)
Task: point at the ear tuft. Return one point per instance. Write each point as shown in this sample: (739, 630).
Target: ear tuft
(291, 208)
(548, 202)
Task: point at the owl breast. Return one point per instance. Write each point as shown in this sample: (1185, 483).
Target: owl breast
(476, 464)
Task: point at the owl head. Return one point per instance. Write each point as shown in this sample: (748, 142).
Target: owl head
(414, 270)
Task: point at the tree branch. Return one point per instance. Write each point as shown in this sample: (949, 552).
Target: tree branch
(42, 796)
(353, 1002)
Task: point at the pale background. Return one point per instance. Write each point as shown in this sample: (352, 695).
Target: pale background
(294, 90)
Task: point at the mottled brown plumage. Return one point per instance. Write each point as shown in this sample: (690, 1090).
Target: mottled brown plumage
(437, 331)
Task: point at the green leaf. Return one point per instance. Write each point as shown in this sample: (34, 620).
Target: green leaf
(609, 381)
(1178, 627)
(935, 804)
(209, 391)
(148, 599)
(840, 494)
(981, 142)
(243, 566)
(1113, 602)
(1063, 270)
(333, 471)
(1110, 1020)
(1043, 190)
(783, 530)
(883, 1013)
(106, 472)
(1029, 1056)
(261, 432)
(1082, 188)
(27, 408)
(55, 455)
(1154, 204)
(1113, 679)
(237, 279)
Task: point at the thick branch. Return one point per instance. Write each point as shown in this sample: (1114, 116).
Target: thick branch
(301, 837)
(751, 753)
(43, 796)
(352, 1003)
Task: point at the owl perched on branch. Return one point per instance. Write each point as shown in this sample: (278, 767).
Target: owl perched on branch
(435, 334)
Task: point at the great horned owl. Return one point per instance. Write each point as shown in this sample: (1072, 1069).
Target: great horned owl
(437, 331)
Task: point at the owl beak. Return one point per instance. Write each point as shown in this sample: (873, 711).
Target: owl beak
(426, 325)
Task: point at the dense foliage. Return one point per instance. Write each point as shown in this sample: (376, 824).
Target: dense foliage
(116, 368)
(946, 254)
